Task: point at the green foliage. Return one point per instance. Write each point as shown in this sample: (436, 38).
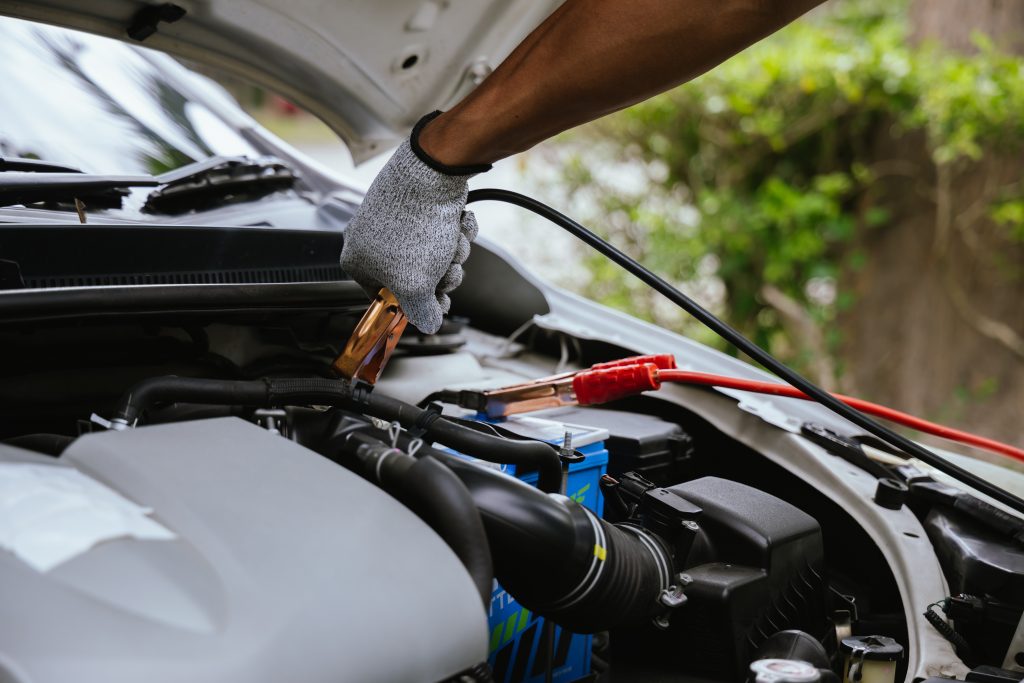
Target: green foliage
(1009, 213)
(764, 170)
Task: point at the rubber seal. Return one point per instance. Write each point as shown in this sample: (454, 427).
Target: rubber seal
(414, 142)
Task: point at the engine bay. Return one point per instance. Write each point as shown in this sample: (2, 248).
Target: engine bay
(637, 540)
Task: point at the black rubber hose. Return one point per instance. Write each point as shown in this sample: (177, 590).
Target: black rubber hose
(560, 560)
(554, 556)
(436, 495)
(319, 391)
(442, 500)
(743, 344)
(525, 453)
(170, 389)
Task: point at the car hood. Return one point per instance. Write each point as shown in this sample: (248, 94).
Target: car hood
(369, 69)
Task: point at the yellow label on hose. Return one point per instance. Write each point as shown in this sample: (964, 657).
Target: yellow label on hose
(599, 552)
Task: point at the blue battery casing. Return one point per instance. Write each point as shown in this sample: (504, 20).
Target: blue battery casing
(516, 634)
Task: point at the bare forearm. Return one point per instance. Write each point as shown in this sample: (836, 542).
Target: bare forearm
(593, 57)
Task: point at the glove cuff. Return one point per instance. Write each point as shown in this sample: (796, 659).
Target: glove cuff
(414, 142)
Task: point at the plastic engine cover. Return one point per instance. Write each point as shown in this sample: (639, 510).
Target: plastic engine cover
(285, 567)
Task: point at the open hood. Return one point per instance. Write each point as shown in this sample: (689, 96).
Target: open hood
(368, 68)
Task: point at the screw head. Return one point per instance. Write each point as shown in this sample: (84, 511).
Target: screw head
(672, 597)
(478, 71)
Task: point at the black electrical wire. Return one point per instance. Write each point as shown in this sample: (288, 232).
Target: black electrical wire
(963, 648)
(743, 344)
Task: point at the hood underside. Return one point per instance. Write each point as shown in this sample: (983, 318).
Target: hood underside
(368, 68)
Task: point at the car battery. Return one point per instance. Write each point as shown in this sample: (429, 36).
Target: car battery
(657, 449)
(518, 644)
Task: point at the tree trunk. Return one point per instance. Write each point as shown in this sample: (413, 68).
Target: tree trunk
(954, 22)
(938, 324)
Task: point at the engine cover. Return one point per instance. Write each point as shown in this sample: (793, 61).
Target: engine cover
(285, 567)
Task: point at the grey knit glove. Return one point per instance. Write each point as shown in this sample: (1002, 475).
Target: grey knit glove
(412, 232)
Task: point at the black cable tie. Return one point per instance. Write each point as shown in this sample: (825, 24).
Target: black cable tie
(361, 391)
(424, 420)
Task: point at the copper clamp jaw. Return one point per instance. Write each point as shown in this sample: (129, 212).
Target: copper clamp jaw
(373, 340)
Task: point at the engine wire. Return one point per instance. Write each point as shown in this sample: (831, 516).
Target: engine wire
(741, 343)
(959, 643)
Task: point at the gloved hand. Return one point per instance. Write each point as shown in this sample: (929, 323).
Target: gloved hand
(412, 232)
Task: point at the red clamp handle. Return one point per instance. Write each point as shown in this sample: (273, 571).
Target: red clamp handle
(663, 361)
(609, 384)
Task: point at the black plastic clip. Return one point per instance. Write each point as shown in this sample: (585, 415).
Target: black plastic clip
(844, 447)
(361, 391)
(426, 418)
(146, 20)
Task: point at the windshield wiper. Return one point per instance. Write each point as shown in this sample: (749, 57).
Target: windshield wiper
(197, 185)
(102, 191)
(217, 180)
(35, 166)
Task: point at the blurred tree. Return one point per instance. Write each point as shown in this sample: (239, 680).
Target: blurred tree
(954, 23)
(938, 324)
(849, 193)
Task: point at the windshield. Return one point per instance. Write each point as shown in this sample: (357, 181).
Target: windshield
(100, 106)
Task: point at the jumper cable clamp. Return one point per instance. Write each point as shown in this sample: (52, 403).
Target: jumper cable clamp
(373, 340)
(599, 383)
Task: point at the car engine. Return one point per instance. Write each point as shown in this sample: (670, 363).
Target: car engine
(191, 495)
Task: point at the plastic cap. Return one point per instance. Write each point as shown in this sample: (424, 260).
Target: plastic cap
(783, 671)
(601, 386)
(663, 361)
(872, 648)
(891, 493)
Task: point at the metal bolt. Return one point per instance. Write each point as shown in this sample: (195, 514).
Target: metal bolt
(661, 622)
(478, 71)
(691, 525)
(564, 453)
(683, 579)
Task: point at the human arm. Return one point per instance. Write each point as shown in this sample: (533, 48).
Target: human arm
(592, 57)
(587, 59)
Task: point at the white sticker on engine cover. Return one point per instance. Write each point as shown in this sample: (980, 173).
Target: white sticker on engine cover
(50, 514)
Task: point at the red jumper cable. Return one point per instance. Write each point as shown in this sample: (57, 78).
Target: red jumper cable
(614, 380)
